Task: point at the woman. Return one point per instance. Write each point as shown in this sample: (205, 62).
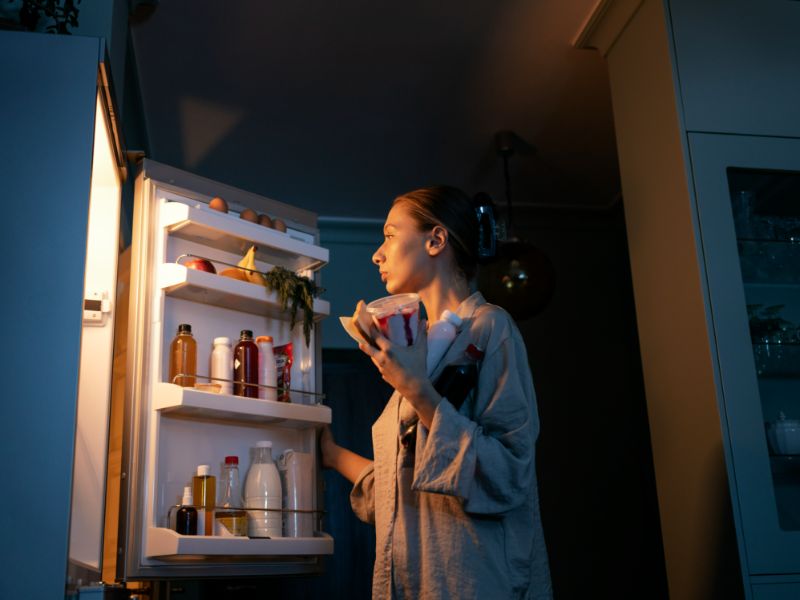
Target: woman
(456, 509)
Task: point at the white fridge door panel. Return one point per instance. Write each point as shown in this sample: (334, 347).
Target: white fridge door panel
(97, 340)
(174, 429)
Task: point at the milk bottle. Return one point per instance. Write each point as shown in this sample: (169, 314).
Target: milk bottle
(262, 489)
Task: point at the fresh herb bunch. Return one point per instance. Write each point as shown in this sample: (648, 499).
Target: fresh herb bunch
(294, 288)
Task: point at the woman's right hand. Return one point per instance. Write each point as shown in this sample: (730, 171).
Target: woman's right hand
(328, 447)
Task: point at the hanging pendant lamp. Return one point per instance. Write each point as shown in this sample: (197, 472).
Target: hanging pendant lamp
(521, 279)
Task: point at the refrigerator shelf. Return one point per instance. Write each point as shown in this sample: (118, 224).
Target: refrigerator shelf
(174, 400)
(207, 288)
(165, 543)
(230, 234)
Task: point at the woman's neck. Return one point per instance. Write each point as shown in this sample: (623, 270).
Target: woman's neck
(440, 296)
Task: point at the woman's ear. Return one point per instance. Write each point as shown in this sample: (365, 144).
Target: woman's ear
(437, 240)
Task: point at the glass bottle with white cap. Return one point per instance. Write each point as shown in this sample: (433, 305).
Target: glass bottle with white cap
(262, 490)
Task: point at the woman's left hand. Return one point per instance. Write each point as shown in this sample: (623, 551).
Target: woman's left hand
(402, 367)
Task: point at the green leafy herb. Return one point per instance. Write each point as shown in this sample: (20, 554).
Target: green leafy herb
(294, 288)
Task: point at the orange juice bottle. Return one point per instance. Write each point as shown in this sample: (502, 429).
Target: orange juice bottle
(183, 357)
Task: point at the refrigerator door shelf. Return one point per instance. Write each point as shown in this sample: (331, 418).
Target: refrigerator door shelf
(174, 400)
(166, 544)
(207, 288)
(229, 233)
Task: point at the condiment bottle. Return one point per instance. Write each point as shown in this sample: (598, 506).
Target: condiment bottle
(205, 491)
(440, 335)
(186, 518)
(267, 370)
(183, 357)
(222, 364)
(262, 489)
(230, 522)
(245, 366)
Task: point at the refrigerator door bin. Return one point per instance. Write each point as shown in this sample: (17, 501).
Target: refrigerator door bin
(174, 400)
(228, 233)
(207, 288)
(165, 544)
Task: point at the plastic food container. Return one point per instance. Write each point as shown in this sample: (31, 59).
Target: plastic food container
(784, 435)
(397, 317)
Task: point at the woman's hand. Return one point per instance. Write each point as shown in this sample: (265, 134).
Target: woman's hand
(327, 447)
(405, 369)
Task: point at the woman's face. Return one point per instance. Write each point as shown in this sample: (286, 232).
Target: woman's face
(403, 258)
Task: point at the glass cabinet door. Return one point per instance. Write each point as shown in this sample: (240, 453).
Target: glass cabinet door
(748, 200)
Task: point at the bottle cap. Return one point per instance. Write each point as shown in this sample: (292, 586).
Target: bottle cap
(184, 328)
(474, 352)
(187, 496)
(203, 470)
(231, 460)
(448, 315)
(222, 340)
(264, 444)
(246, 334)
(264, 338)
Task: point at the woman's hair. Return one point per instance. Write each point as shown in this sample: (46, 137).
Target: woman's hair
(452, 209)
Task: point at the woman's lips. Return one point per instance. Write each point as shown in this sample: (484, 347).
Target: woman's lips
(384, 276)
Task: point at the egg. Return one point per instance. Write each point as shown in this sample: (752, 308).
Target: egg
(248, 214)
(264, 220)
(219, 204)
(279, 225)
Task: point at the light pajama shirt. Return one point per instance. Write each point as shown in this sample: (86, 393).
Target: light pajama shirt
(457, 515)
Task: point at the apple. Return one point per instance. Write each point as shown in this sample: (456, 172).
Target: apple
(201, 264)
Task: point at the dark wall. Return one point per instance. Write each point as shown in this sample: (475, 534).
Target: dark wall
(596, 480)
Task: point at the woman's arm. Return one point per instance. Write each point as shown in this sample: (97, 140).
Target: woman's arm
(349, 464)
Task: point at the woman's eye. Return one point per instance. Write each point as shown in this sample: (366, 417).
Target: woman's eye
(387, 236)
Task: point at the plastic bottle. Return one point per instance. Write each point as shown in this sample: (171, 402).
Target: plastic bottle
(297, 474)
(267, 370)
(245, 366)
(222, 364)
(440, 336)
(186, 518)
(183, 357)
(230, 522)
(204, 486)
(459, 378)
(262, 489)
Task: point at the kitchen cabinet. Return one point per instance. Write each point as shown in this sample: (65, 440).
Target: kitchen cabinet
(708, 137)
(748, 198)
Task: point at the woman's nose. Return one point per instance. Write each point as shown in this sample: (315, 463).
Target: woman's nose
(377, 258)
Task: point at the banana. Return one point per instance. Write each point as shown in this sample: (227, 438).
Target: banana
(249, 262)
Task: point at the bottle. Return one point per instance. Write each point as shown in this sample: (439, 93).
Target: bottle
(262, 489)
(440, 336)
(186, 518)
(222, 364)
(183, 357)
(245, 366)
(204, 486)
(459, 378)
(267, 370)
(230, 522)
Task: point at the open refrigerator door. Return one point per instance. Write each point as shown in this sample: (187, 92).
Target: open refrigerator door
(168, 429)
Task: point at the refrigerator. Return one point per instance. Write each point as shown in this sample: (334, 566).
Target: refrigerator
(102, 442)
(169, 430)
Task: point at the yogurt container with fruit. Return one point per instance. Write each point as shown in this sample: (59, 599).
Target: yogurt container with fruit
(397, 317)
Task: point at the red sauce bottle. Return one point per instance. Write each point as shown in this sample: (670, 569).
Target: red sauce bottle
(245, 366)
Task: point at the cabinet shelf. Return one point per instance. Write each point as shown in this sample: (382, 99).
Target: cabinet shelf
(231, 234)
(207, 288)
(174, 400)
(166, 544)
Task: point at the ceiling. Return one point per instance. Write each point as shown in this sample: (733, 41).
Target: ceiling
(337, 107)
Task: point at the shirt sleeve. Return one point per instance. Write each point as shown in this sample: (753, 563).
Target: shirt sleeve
(362, 496)
(486, 458)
